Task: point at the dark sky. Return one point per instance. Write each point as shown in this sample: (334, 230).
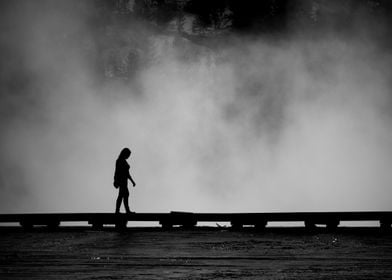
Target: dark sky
(227, 105)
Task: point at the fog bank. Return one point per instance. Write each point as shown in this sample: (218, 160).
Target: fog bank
(243, 123)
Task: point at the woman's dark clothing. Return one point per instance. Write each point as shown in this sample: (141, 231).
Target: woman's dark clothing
(121, 175)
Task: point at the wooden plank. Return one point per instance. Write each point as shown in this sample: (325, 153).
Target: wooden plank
(331, 219)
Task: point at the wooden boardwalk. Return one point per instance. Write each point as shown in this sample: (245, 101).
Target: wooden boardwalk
(186, 219)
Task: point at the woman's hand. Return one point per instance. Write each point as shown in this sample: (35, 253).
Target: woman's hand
(131, 179)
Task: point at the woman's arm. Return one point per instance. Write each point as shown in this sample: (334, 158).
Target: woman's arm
(130, 178)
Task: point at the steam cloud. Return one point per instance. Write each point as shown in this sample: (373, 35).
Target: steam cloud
(298, 123)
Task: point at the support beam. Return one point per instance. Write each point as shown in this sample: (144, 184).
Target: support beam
(310, 225)
(166, 225)
(385, 224)
(96, 225)
(26, 225)
(261, 225)
(236, 225)
(52, 225)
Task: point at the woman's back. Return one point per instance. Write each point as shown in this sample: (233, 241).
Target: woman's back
(121, 174)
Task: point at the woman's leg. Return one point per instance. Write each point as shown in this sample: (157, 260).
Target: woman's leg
(126, 202)
(118, 202)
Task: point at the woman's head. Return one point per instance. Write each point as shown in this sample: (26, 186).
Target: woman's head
(125, 153)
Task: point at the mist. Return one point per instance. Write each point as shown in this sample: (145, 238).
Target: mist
(248, 122)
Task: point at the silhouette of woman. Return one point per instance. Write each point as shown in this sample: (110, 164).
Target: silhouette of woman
(121, 176)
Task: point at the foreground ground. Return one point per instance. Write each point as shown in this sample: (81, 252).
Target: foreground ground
(195, 254)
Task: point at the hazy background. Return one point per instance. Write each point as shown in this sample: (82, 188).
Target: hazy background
(275, 106)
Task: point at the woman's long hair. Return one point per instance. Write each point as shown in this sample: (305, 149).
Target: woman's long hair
(124, 154)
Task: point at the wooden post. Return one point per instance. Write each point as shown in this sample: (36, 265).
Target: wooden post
(97, 225)
(261, 225)
(189, 224)
(52, 225)
(236, 225)
(332, 224)
(26, 225)
(310, 225)
(121, 222)
(121, 225)
(166, 225)
(385, 224)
